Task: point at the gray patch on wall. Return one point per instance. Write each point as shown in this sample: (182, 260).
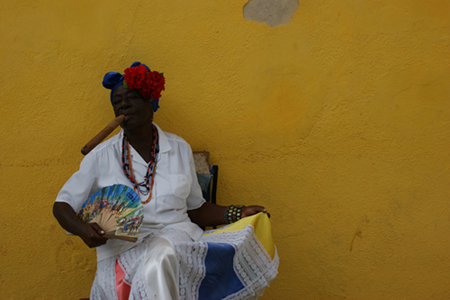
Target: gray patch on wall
(271, 12)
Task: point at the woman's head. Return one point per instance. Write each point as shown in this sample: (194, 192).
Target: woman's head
(137, 77)
(137, 110)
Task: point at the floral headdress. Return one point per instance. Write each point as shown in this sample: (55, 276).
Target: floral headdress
(138, 77)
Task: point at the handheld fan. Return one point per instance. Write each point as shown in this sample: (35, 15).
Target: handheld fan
(117, 209)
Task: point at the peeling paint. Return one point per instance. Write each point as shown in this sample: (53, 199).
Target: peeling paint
(271, 12)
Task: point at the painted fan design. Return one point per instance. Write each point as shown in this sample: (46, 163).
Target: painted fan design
(117, 209)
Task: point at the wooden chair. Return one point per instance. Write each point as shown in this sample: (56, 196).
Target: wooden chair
(207, 175)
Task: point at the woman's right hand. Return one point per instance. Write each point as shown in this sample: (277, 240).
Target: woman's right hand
(92, 235)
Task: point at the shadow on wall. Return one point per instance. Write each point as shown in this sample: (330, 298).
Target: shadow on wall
(271, 12)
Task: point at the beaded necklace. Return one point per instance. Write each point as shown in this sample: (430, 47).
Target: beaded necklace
(145, 187)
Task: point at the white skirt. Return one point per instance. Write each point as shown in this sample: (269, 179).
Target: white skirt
(228, 263)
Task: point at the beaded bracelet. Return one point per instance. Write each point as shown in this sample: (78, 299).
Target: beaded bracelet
(228, 214)
(233, 213)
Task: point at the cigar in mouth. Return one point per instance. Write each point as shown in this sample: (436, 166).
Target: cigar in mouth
(102, 134)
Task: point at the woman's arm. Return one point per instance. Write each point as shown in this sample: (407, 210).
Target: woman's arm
(90, 233)
(212, 215)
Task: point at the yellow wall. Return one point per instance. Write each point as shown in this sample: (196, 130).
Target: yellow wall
(338, 122)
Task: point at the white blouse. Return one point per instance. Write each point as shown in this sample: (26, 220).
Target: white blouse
(175, 188)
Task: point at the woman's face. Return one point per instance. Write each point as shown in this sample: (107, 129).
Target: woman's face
(137, 110)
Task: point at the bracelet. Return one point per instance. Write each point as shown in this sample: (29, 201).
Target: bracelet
(228, 214)
(233, 213)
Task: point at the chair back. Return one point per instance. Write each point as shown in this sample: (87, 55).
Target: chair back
(207, 175)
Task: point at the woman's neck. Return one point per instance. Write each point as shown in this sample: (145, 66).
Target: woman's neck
(141, 139)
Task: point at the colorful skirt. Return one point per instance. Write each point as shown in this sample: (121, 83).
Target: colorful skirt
(234, 262)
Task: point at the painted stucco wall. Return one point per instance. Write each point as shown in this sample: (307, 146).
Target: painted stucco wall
(338, 122)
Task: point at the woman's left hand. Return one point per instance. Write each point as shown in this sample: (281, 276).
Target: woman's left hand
(252, 210)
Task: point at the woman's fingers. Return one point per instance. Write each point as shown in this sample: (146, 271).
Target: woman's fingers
(252, 210)
(92, 235)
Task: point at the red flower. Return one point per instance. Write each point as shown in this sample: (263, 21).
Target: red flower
(157, 82)
(150, 84)
(135, 76)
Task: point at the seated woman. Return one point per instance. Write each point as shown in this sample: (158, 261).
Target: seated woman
(159, 167)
